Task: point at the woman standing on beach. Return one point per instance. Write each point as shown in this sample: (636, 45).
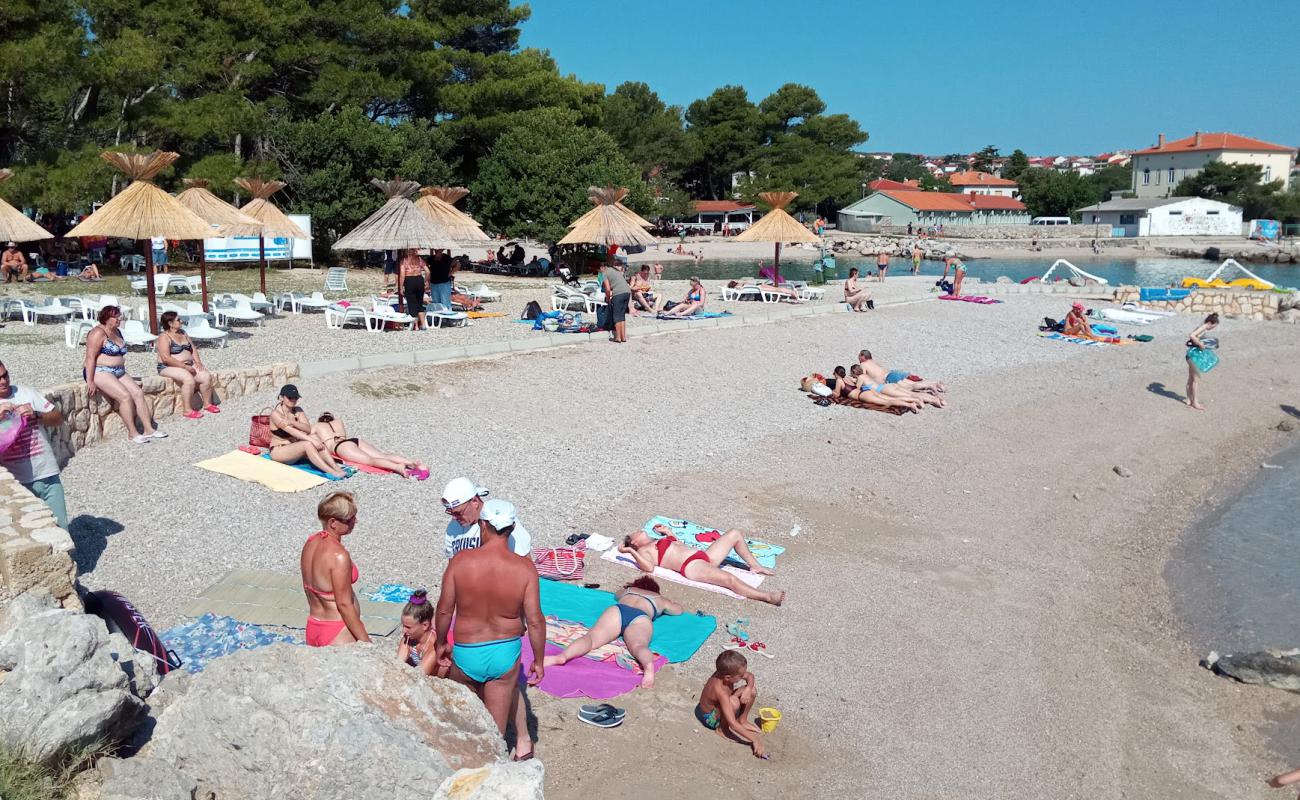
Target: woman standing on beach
(333, 614)
(1200, 357)
(414, 273)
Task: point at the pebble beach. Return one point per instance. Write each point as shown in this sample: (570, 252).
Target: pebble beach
(976, 601)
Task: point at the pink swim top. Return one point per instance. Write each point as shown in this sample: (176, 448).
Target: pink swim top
(356, 573)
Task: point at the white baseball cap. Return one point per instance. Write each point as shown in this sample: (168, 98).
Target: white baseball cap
(460, 491)
(498, 513)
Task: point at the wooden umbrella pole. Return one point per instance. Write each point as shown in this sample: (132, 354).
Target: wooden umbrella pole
(203, 272)
(261, 259)
(149, 287)
(776, 279)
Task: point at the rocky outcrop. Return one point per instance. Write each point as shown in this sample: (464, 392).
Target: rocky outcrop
(66, 683)
(1277, 668)
(34, 550)
(328, 723)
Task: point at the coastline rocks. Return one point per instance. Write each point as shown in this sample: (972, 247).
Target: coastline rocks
(1279, 669)
(328, 723)
(64, 682)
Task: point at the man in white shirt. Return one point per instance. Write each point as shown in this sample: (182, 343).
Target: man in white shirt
(30, 458)
(462, 499)
(159, 246)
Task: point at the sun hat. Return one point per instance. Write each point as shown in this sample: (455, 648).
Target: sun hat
(1078, 306)
(459, 491)
(498, 513)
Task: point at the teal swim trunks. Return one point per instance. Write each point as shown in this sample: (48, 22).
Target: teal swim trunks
(486, 661)
(709, 720)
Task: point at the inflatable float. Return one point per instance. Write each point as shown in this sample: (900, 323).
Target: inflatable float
(122, 617)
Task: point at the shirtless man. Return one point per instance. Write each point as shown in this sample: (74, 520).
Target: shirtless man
(13, 263)
(696, 565)
(492, 593)
(642, 296)
(878, 374)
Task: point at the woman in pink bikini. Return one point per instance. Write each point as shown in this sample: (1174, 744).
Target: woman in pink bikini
(698, 565)
(333, 615)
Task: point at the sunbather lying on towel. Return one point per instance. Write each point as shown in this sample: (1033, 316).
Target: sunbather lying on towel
(292, 439)
(780, 291)
(697, 565)
(856, 386)
(878, 374)
(632, 617)
(330, 430)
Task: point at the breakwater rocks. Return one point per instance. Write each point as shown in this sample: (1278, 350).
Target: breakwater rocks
(931, 249)
(1259, 253)
(1279, 669)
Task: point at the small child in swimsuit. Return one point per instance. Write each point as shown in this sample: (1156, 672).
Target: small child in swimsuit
(416, 646)
(724, 708)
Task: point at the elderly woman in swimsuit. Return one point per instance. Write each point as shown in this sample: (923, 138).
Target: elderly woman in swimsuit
(292, 439)
(179, 360)
(703, 566)
(105, 371)
(693, 304)
(333, 615)
(638, 605)
(331, 431)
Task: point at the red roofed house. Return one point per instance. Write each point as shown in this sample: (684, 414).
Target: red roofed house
(927, 209)
(976, 182)
(886, 183)
(717, 215)
(1158, 170)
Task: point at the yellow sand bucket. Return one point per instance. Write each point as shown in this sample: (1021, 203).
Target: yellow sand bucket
(768, 718)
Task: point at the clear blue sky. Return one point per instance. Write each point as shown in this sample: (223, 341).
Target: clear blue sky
(953, 76)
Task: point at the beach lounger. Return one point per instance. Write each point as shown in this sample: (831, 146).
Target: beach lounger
(241, 311)
(482, 293)
(336, 279)
(749, 291)
(381, 315)
(200, 330)
(441, 316)
(337, 316)
(135, 335)
(50, 307)
(75, 331)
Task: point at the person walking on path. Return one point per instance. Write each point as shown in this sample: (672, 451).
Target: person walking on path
(29, 457)
(617, 296)
(441, 269)
(495, 599)
(1200, 357)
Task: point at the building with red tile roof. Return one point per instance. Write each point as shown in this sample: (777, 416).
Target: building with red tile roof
(1158, 170)
(929, 209)
(976, 182)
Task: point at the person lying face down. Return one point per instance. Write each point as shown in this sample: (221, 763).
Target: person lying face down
(697, 565)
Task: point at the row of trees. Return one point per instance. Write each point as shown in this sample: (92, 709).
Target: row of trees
(329, 94)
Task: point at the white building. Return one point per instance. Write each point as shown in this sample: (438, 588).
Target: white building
(976, 182)
(1164, 216)
(1158, 170)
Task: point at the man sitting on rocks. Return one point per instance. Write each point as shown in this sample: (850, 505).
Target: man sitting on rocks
(29, 457)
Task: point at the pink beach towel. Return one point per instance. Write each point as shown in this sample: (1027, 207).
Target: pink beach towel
(971, 298)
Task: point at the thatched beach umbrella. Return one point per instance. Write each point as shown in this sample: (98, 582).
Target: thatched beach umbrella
(640, 220)
(777, 226)
(274, 222)
(397, 225)
(143, 211)
(439, 204)
(608, 223)
(228, 221)
(14, 224)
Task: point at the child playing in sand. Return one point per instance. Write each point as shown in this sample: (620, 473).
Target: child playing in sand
(415, 648)
(724, 708)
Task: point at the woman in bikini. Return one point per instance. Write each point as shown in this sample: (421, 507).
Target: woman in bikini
(331, 431)
(333, 615)
(1196, 341)
(105, 371)
(703, 566)
(416, 648)
(856, 386)
(415, 277)
(854, 294)
(693, 304)
(179, 360)
(292, 439)
(638, 605)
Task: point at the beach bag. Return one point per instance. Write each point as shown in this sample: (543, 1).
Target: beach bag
(532, 311)
(602, 318)
(560, 563)
(259, 430)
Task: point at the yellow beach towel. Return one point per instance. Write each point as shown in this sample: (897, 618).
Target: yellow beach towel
(273, 475)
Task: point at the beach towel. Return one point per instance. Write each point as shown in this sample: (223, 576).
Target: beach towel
(863, 404)
(971, 298)
(357, 465)
(661, 574)
(697, 315)
(1203, 360)
(305, 466)
(390, 593)
(1060, 337)
(1124, 317)
(486, 314)
(273, 598)
(211, 636)
(676, 638)
(583, 677)
(700, 537)
(273, 475)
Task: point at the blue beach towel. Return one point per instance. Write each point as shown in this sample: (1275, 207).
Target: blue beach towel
(698, 536)
(211, 636)
(392, 593)
(676, 638)
(306, 466)
(699, 315)
(1060, 337)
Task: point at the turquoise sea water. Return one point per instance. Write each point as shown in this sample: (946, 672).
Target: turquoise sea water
(1138, 272)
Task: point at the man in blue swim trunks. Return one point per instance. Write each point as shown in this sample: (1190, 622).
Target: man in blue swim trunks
(895, 382)
(492, 593)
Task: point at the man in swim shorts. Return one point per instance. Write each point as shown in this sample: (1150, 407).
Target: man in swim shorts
(491, 592)
(898, 377)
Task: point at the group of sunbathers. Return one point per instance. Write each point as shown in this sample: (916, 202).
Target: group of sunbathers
(869, 382)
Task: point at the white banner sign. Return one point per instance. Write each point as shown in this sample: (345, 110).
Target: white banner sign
(245, 248)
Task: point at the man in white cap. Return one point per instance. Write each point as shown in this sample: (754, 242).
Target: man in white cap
(462, 499)
(13, 263)
(491, 593)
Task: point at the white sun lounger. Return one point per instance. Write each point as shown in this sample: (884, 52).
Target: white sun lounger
(380, 315)
(441, 316)
(1127, 317)
(482, 293)
(200, 330)
(135, 335)
(241, 311)
(336, 316)
(1074, 272)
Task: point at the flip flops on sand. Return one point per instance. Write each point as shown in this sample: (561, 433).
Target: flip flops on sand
(602, 715)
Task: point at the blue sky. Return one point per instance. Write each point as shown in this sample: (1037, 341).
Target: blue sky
(951, 76)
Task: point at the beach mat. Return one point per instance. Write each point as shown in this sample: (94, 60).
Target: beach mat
(692, 534)
(273, 475)
(971, 298)
(851, 403)
(307, 467)
(272, 598)
(211, 636)
(661, 574)
(1127, 317)
(699, 315)
(676, 637)
(583, 677)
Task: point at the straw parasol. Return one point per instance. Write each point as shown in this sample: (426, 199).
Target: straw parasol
(274, 222)
(607, 223)
(777, 226)
(14, 224)
(439, 204)
(143, 211)
(640, 220)
(227, 220)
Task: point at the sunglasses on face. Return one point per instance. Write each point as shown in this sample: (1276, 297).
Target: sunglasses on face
(4, 376)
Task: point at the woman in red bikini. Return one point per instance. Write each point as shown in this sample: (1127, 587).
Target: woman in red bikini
(333, 615)
(698, 565)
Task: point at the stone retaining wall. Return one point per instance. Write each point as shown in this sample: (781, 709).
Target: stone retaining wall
(1241, 303)
(89, 421)
(34, 550)
(1083, 234)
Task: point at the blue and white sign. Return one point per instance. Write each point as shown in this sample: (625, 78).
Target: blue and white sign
(245, 248)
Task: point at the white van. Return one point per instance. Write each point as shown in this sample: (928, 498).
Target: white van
(1050, 221)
